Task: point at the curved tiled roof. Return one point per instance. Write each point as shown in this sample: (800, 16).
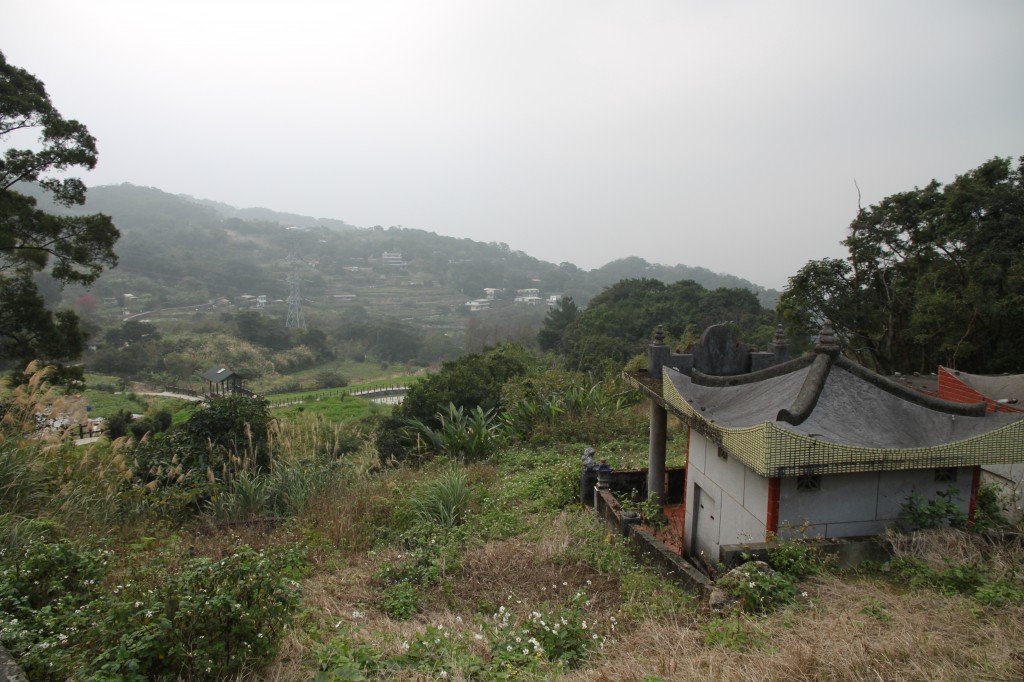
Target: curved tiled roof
(823, 413)
(996, 387)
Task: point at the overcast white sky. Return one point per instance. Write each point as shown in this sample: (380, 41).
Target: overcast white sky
(726, 135)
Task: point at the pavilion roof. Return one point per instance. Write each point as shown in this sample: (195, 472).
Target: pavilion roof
(823, 413)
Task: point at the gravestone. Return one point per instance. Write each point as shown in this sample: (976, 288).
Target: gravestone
(719, 353)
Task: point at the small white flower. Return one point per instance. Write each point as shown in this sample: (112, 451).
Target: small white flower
(803, 594)
(752, 583)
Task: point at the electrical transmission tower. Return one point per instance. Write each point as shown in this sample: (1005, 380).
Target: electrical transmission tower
(295, 319)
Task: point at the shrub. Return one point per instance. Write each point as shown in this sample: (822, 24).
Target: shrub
(140, 427)
(989, 512)
(439, 652)
(64, 618)
(330, 379)
(943, 510)
(342, 659)
(210, 619)
(117, 425)
(237, 424)
(443, 500)
(758, 588)
(558, 636)
(400, 601)
(465, 435)
(972, 579)
(731, 633)
(796, 558)
(472, 381)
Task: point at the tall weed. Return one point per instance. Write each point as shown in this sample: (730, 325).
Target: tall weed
(443, 500)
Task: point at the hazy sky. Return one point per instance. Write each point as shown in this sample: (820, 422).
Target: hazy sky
(721, 134)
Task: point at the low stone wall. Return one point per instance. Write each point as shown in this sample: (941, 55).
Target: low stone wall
(847, 552)
(627, 481)
(645, 545)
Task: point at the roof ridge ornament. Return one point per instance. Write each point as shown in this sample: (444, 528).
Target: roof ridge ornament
(827, 340)
(659, 335)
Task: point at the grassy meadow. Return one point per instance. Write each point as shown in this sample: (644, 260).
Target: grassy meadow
(302, 556)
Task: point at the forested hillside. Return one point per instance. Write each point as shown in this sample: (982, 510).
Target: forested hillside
(239, 248)
(211, 285)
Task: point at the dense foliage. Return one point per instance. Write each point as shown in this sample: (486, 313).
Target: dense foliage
(79, 247)
(620, 320)
(934, 276)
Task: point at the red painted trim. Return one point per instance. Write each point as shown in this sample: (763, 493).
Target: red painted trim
(774, 490)
(975, 482)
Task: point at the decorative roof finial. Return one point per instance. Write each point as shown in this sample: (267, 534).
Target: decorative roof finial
(659, 335)
(827, 341)
(780, 336)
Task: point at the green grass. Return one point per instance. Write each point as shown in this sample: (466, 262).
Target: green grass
(355, 372)
(406, 380)
(363, 558)
(333, 409)
(103, 404)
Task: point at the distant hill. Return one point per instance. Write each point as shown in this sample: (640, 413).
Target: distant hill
(221, 250)
(268, 215)
(633, 267)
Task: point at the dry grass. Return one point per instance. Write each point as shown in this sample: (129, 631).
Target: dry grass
(850, 628)
(854, 630)
(941, 547)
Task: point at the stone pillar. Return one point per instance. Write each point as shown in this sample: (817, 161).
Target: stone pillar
(656, 453)
(657, 354)
(779, 346)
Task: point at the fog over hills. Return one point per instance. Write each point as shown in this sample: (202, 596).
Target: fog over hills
(162, 232)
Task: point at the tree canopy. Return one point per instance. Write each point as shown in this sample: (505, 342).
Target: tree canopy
(934, 276)
(620, 320)
(75, 248)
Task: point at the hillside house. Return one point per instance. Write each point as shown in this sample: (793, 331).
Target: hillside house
(528, 296)
(816, 444)
(392, 259)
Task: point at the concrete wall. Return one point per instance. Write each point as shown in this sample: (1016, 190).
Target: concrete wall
(726, 503)
(645, 545)
(849, 505)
